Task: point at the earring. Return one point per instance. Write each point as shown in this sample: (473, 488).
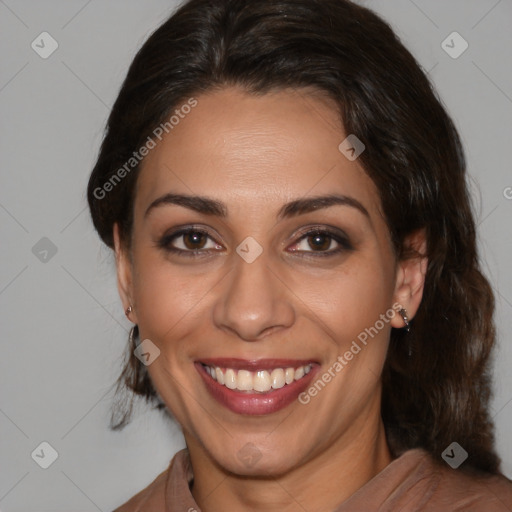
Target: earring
(405, 318)
(407, 327)
(129, 309)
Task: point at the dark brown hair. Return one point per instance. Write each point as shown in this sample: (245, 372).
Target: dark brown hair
(413, 154)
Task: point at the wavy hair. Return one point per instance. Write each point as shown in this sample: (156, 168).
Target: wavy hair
(413, 154)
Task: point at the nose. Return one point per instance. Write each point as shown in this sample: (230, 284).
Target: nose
(253, 301)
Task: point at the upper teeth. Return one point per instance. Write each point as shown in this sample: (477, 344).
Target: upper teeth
(261, 380)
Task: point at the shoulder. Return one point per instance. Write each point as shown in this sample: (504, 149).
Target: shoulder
(152, 497)
(471, 491)
(415, 480)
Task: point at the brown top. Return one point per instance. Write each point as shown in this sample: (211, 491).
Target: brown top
(411, 483)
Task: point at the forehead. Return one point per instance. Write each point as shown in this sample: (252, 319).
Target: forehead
(255, 150)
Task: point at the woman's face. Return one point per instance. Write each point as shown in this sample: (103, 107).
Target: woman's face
(259, 252)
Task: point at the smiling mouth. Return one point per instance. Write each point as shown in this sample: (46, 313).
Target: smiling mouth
(256, 387)
(258, 381)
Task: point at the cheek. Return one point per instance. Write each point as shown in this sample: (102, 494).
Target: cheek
(350, 309)
(166, 299)
(169, 313)
(348, 301)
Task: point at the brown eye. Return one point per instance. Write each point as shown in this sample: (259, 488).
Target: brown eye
(322, 242)
(194, 240)
(189, 242)
(319, 241)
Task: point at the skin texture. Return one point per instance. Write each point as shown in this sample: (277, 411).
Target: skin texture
(254, 154)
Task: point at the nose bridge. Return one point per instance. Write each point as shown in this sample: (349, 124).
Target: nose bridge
(253, 300)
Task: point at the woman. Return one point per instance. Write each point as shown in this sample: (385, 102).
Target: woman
(295, 247)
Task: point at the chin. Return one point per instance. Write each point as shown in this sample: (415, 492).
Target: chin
(255, 460)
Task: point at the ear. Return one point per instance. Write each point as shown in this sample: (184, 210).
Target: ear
(410, 276)
(124, 274)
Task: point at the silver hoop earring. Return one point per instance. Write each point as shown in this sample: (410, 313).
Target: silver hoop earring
(407, 328)
(405, 318)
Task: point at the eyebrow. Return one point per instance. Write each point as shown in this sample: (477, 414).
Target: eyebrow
(208, 206)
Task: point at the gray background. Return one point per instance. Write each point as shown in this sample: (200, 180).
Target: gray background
(63, 328)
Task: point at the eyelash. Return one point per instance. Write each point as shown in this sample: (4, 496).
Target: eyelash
(342, 241)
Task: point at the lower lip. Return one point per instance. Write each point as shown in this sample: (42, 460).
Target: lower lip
(255, 404)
